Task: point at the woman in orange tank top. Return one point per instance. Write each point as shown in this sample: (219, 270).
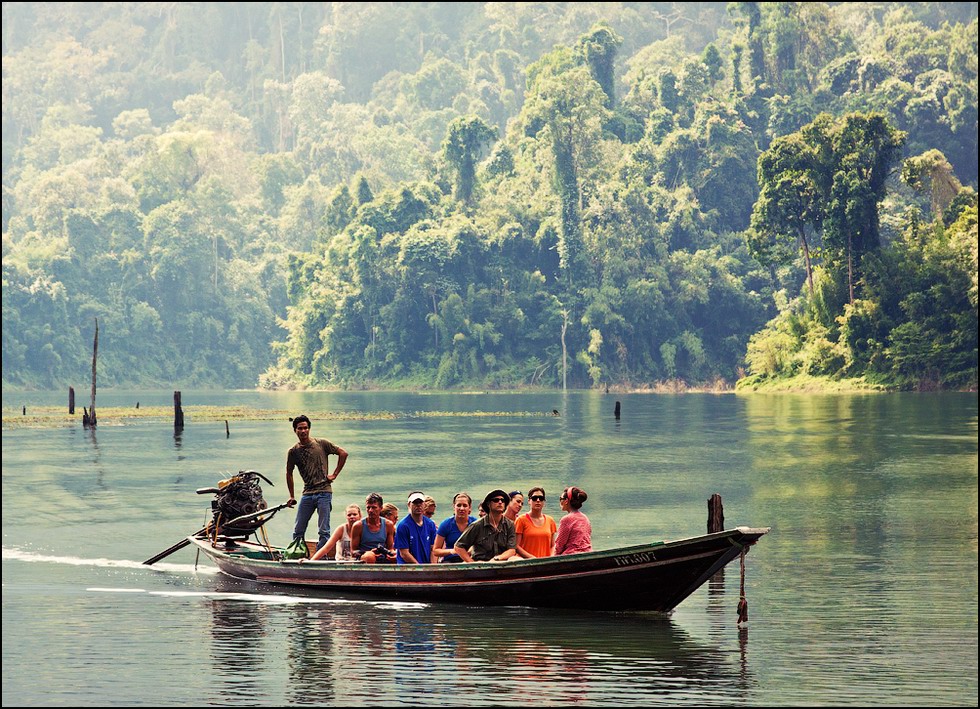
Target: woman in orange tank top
(536, 531)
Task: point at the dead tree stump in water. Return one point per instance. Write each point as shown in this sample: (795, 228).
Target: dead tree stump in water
(95, 356)
(178, 413)
(71, 400)
(716, 514)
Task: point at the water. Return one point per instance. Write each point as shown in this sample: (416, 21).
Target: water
(864, 593)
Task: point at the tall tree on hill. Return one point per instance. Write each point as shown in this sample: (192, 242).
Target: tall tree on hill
(864, 150)
(465, 140)
(828, 178)
(568, 106)
(598, 48)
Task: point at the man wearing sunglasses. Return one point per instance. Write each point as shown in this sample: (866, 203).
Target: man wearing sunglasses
(416, 533)
(493, 537)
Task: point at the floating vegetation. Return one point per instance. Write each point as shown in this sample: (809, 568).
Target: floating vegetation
(57, 417)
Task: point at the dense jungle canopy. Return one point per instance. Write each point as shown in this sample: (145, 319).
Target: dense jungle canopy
(489, 194)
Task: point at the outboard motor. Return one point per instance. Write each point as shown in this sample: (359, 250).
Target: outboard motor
(237, 496)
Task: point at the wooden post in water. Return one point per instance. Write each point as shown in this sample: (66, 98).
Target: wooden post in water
(89, 419)
(71, 400)
(178, 413)
(716, 514)
(617, 411)
(227, 430)
(24, 411)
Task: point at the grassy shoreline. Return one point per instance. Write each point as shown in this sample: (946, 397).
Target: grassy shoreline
(58, 417)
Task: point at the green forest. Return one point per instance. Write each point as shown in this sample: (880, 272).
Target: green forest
(491, 195)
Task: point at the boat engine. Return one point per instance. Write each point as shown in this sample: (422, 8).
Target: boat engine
(238, 495)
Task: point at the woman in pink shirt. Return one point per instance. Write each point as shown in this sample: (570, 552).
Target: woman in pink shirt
(574, 530)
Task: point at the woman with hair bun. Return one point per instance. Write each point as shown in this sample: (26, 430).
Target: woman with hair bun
(574, 529)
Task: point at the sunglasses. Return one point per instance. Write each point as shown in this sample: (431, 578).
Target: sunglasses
(537, 498)
(497, 499)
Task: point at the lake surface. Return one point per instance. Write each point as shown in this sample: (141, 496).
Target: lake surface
(864, 593)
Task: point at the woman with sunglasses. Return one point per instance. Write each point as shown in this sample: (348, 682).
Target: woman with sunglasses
(574, 530)
(535, 530)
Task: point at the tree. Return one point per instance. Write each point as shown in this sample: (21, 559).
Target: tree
(931, 172)
(789, 207)
(462, 147)
(829, 178)
(864, 149)
(598, 48)
(569, 105)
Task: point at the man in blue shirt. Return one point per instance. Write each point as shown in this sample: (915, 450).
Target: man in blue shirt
(415, 534)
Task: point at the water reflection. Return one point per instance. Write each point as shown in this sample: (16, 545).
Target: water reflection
(865, 592)
(350, 650)
(238, 630)
(310, 640)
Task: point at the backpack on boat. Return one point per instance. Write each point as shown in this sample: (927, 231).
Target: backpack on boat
(296, 550)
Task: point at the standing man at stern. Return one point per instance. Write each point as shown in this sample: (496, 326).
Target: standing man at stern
(310, 455)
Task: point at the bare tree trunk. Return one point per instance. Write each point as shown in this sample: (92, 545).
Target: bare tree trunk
(178, 413)
(716, 514)
(435, 324)
(564, 351)
(95, 355)
(806, 259)
(282, 48)
(214, 242)
(71, 400)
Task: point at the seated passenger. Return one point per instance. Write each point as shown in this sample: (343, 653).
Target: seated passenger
(493, 536)
(574, 529)
(514, 505)
(390, 513)
(373, 533)
(535, 530)
(339, 545)
(451, 528)
(415, 534)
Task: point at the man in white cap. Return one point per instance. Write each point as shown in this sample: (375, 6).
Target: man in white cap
(416, 533)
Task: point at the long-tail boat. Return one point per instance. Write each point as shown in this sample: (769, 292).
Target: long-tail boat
(654, 576)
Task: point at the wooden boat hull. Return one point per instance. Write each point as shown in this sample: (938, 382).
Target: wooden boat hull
(646, 577)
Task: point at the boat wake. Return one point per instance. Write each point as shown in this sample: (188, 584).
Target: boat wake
(272, 599)
(14, 554)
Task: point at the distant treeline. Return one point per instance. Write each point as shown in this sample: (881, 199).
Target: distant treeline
(489, 194)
